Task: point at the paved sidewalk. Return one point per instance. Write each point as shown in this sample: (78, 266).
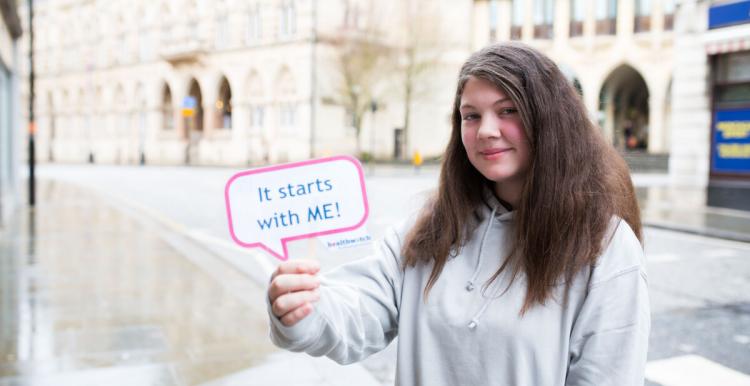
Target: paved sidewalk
(93, 294)
(684, 209)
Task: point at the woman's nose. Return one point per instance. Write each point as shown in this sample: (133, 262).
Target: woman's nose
(490, 128)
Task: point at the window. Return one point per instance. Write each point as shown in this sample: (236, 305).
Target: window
(222, 31)
(576, 18)
(516, 21)
(257, 115)
(352, 19)
(287, 19)
(668, 14)
(254, 27)
(493, 20)
(642, 22)
(167, 114)
(144, 45)
(543, 18)
(606, 17)
(287, 112)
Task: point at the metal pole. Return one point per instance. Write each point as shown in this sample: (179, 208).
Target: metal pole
(32, 128)
(313, 75)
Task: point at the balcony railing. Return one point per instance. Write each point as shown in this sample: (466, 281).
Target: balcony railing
(606, 26)
(515, 32)
(576, 28)
(543, 31)
(642, 23)
(669, 22)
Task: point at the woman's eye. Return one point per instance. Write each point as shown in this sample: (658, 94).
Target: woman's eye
(471, 117)
(508, 110)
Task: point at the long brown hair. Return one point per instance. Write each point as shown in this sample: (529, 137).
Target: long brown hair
(576, 181)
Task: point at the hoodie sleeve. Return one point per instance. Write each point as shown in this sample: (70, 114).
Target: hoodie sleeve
(609, 340)
(357, 314)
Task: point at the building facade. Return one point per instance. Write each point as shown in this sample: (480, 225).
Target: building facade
(712, 105)
(10, 141)
(237, 82)
(218, 82)
(619, 54)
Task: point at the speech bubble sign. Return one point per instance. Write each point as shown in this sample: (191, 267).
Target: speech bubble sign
(271, 206)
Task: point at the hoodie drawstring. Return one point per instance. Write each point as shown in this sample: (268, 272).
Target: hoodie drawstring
(470, 284)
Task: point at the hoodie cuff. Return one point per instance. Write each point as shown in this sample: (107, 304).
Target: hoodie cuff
(298, 335)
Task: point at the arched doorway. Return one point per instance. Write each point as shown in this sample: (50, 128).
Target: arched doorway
(51, 122)
(571, 76)
(624, 109)
(167, 111)
(224, 105)
(139, 118)
(193, 107)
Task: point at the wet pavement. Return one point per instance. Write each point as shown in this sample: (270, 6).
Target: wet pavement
(684, 209)
(101, 286)
(91, 296)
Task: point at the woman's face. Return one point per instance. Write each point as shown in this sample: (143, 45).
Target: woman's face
(493, 135)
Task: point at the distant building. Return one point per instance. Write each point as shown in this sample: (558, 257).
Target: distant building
(619, 54)
(222, 82)
(112, 88)
(712, 100)
(10, 31)
(232, 82)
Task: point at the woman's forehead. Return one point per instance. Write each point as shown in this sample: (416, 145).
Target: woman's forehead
(478, 90)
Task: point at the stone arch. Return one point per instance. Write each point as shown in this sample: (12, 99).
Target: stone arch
(52, 117)
(139, 120)
(166, 107)
(223, 105)
(667, 116)
(624, 108)
(572, 77)
(121, 121)
(195, 95)
(285, 94)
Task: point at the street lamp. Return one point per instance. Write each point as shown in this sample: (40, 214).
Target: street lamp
(32, 128)
(373, 110)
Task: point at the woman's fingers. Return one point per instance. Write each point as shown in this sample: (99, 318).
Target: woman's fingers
(293, 289)
(287, 283)
(298, 314)
(289, 303)
(298, 266)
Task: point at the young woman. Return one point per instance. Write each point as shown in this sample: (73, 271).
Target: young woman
(525, 268)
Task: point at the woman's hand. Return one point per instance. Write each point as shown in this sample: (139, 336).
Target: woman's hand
(293, 290)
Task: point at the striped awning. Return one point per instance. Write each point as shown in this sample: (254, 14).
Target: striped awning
(727, 46)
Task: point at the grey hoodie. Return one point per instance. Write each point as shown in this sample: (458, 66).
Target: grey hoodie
(463, 335)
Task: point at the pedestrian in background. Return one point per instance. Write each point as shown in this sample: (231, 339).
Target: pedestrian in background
(524, 268)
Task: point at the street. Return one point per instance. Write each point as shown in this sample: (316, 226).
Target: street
(699, 286)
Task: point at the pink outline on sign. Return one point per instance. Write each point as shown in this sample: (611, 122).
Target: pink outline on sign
(285, 240)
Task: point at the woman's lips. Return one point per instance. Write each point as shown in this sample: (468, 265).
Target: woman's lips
(494, 153)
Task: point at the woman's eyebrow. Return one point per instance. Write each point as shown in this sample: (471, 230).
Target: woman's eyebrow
(501, 100)
(468, 106)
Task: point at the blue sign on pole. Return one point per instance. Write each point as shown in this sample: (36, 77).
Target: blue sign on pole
(731, 148)
(189, 102)
(729, 14)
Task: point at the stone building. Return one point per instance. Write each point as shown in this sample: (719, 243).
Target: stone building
(261, 75)
(712, 101)
(10, 136)
(219, 82)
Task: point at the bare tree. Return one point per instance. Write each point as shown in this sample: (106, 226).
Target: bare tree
(420, 54)
(362, 58)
